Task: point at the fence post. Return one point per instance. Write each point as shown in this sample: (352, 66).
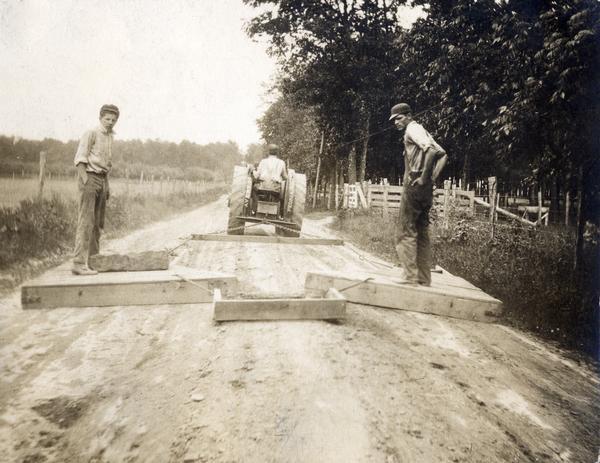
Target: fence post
(492, 193)
(314, 201)
(345, 198)
(385, 200)
(446, 202)
(540, 203)
(42, 173)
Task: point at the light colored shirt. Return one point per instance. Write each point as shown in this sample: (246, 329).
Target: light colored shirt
(417, 141)
(272, 168)
(95, 150)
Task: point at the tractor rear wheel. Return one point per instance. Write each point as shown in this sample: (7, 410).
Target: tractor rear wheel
(295, 201)
(239, 184)
(299, 201)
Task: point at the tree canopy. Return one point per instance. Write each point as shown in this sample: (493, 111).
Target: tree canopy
(510, 88)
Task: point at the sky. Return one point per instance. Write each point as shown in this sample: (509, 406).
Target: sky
(177, 69)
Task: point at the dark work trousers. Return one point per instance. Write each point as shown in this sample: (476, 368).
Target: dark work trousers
(412, 241)
(92, 206)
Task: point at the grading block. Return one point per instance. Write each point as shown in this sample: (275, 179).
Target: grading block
(331, 306)
(178, 285)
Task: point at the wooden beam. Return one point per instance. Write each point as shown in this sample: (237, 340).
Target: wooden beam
(506, 213)
(376, 290)
(179, 285)
(332, 306)
(361, 196)
(268, 239)
(133, 262)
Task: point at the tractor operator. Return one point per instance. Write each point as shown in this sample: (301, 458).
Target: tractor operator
(271, 171)
(424, 160)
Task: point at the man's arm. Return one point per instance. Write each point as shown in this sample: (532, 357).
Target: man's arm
(432, 154)
(82, 155)
(439, 167)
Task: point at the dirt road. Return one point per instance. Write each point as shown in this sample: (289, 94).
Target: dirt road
(166, 384)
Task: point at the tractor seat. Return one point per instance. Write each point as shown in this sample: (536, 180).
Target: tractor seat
(268, 186)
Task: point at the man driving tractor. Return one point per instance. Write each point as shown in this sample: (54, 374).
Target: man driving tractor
(271, 171)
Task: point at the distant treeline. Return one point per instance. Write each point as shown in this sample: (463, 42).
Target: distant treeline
(185, 160)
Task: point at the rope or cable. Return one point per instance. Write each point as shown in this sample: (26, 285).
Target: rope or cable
(337, 145)
(355, 284)
(210, 291)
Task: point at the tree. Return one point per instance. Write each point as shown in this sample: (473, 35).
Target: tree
(337, 58)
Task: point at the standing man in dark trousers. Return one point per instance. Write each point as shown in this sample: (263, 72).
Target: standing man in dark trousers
(424, 160)
(93, 161)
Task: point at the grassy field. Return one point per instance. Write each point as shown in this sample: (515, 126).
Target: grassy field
(13, 191)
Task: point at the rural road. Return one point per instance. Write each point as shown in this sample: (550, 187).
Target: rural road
(167, 384)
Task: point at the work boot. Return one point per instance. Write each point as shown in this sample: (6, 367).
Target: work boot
(82, 269)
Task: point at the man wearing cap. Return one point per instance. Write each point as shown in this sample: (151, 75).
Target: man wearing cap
(424, 160)
(93, 160)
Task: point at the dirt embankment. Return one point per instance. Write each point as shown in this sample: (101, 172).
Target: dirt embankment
(165, 383)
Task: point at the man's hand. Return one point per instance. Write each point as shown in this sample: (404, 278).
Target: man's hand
(418, 181)
(81, 173)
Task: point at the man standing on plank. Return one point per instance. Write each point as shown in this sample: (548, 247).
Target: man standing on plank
(424, 160)
(93, 161)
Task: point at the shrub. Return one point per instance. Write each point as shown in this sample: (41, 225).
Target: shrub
(40, 228)
(531, 271)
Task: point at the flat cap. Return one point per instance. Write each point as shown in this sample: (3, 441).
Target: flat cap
(399, 109)
(109, 108)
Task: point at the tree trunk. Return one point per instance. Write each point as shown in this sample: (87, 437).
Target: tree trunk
(352, 165)
(555, 200)
(365, 148)
(580, 225)
(465, 171)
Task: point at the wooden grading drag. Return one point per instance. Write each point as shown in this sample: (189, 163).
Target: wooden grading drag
(178, 285)
(330, 307)
(448, 295)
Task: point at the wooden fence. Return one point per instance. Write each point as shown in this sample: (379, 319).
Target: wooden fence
(387, 198)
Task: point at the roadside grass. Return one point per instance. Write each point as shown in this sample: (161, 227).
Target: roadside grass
(530, 271)
(38, 234)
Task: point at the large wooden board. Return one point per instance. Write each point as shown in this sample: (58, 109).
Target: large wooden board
(332, 306)
(269, 239)
(179, 285)
(449, 295)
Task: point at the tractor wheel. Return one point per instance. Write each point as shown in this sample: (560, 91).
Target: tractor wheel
(236, 200)
(298, 199)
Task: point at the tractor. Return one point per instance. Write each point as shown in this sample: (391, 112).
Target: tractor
(254, 201)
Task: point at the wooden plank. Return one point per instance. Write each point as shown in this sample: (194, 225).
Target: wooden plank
(133, 262)
(381, 188)
(439, 299)
(361, 196)
(504, 212)
(332, 306)
(179, 285)
(268, 239)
